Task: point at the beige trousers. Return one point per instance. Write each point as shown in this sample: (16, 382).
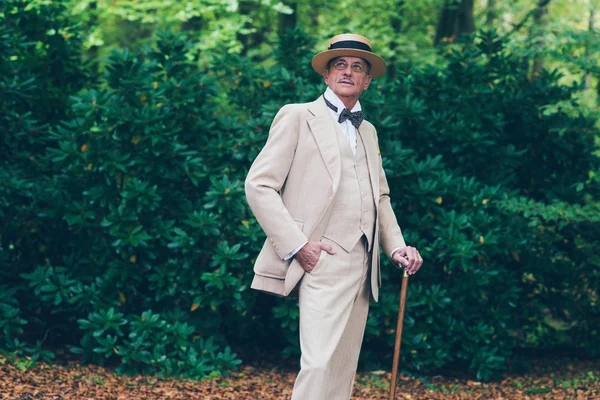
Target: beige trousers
(334, 303)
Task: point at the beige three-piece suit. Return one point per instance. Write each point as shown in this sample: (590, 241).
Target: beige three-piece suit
(306, 184)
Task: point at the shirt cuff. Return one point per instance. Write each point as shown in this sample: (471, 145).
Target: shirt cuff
(398, 265)
(393, 251)
(293, 252)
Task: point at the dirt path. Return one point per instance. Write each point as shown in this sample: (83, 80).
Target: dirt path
(562, 379)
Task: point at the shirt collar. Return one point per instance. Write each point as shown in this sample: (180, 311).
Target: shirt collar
(335, 100)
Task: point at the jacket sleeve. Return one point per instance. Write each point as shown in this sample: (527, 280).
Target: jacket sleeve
(390, 234)
(267, 176)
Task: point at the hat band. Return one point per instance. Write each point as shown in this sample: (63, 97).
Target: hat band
(349, 44)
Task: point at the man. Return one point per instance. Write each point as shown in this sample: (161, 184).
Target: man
(319, 192)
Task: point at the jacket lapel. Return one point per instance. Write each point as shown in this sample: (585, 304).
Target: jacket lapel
(323, 130)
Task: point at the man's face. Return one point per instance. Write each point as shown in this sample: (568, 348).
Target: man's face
(347, 77)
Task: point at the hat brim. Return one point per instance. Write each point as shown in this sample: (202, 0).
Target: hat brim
(319, 61)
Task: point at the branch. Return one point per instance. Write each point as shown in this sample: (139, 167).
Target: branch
(541, 4)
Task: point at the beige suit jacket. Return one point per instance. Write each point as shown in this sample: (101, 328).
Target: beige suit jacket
(290, 188)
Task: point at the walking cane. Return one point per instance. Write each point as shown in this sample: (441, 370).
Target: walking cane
(398, 335)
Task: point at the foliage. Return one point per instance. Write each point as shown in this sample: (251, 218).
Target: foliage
(141, 191)
(127, 236)
(400, 29)
(40, 67)
(123, 226)
(497, 211)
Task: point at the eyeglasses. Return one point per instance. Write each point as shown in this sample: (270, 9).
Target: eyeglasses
(356, 67)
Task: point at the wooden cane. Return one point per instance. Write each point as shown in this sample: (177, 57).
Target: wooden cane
(398, 335)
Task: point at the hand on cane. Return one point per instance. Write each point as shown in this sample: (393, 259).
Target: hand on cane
(409, 257)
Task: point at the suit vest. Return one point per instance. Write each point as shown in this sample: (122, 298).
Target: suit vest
(353, 207)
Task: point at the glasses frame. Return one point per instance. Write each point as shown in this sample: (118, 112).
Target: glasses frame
(356, 67)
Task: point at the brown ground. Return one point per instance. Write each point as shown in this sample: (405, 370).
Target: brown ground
(550, 379)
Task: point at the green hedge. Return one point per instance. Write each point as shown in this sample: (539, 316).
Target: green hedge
(126, 236)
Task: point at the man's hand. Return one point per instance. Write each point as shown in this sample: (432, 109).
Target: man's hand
(409, 257)
(308, 255)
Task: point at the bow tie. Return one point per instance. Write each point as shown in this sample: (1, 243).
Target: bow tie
(355, 118)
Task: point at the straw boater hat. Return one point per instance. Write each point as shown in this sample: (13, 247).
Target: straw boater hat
(349, 44)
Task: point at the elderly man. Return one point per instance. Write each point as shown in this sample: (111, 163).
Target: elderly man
(319, 192)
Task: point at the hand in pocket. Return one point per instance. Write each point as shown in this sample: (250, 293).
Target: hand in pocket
(309, 255)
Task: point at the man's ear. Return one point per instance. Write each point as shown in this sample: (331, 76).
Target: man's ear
(368, 81)
(325, 76)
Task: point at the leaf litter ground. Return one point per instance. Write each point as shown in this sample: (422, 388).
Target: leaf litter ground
(547, 379)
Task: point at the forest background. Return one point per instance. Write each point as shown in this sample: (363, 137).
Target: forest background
(127, 129)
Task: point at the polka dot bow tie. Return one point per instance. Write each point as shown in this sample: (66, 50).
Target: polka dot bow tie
(356, 118)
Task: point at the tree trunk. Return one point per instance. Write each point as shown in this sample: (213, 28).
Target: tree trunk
(245, 7)
(288, 21)
(396, 20)
(456, 19)
(541, 22)
(313, 15)
(490, 16)
(588, 45)
(93, 21)
(192, 24)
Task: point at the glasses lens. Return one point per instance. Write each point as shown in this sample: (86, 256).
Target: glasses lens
(342, 65)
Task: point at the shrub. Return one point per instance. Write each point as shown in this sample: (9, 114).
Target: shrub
(127, 238)
(40, 67)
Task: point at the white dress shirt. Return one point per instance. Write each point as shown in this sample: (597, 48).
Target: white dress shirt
(348, 130)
